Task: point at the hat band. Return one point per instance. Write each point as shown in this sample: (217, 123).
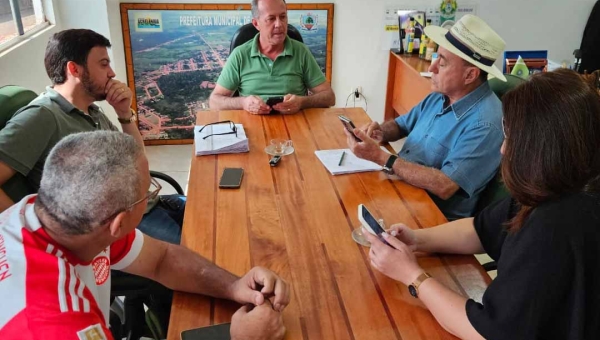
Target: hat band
(466, 50)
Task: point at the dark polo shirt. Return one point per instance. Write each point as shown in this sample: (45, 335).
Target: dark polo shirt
(33, 131)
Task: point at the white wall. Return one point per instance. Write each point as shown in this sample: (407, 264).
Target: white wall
(357, 56)
(91, 14)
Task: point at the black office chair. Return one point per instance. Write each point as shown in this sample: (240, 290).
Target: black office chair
(248, 31)
(494, 191)
(128, 317)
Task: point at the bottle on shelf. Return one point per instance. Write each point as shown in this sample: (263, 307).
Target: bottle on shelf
(424, 41)
(410, 36)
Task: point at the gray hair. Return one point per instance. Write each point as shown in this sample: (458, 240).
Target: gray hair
(88, 178)
(254, 8)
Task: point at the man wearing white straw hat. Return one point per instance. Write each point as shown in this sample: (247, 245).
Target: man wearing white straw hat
(454, 134)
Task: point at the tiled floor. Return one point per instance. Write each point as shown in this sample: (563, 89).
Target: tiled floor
(175, 160)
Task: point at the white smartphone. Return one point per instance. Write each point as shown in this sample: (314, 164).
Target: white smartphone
(370, 222)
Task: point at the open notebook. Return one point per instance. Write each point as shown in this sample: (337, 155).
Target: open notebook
(350, 163)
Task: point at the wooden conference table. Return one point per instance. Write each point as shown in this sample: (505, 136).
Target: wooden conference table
(296, 219)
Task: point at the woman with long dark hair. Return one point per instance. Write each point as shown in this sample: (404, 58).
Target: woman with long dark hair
(545, 238)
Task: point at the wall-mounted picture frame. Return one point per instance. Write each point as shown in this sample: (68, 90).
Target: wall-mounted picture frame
(175, 52)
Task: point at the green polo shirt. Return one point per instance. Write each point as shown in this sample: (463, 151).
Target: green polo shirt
(250, 72)
(33, 131)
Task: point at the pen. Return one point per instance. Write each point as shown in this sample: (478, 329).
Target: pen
(342, 158)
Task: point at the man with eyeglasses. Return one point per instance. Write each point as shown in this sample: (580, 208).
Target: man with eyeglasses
(78, 64)
(271, 65)
(56, 253)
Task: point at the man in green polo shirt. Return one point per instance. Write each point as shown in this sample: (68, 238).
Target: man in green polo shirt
(271, 65)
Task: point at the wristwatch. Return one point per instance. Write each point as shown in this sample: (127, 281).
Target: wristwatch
(388, 168)
(129, 120)
(413, 288)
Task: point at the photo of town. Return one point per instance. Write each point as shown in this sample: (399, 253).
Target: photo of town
(178, 56)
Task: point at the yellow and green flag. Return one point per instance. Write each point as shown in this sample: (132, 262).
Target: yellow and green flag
(520, 69)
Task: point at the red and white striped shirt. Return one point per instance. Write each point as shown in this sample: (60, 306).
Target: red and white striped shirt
(45, 291)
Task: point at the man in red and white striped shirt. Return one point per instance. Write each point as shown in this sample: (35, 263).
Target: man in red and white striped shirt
(56, 253)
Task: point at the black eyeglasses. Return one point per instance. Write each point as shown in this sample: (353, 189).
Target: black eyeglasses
(231, 126)
(503, 128)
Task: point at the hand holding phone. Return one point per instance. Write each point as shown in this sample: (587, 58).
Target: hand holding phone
(272, 101)
(370, 223)
(349, 125)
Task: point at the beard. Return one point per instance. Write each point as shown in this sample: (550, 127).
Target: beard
(90, 88)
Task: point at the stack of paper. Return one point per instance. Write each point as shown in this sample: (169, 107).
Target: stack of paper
(217, 144)
(350, 163)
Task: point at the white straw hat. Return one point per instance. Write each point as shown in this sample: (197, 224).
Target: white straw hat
(473, 40)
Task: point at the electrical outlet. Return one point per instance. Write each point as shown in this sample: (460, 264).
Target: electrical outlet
(353, 90)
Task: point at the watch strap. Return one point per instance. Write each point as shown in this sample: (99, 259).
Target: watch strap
(389, 165)
(418, 281)
(127, 120)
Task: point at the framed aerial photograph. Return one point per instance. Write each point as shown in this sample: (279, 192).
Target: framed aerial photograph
(175, 53)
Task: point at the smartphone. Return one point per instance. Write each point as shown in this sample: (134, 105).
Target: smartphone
(370, 223)
(349, 125)
(231, 178)
(274, 100)
(275, 160)
(214, 332)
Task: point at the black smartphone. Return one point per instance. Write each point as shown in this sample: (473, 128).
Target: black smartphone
(275, 160)
(274, 100)
(370, 223)
(349, 125)
(231, 178)
(214, 332)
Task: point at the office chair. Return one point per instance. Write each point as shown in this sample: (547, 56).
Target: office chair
(495, 190)
(500, 87)
(248, 31)
(128, 317)
(12, 98)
